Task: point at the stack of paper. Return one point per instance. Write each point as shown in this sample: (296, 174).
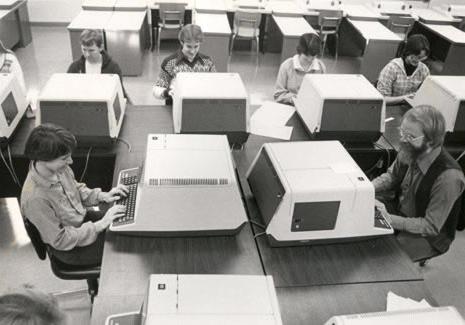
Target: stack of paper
(395, 302)
(270, 120)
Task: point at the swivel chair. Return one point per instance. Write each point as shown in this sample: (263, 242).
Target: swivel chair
(62, 270)
(329, 22)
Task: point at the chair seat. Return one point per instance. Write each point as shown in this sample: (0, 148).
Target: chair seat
(169, 26)
(246, 32)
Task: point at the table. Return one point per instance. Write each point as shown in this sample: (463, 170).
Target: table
(217, 34)
(207, 6)
(287, 8)
(370, 40)
(86, 19)
(130, 5)
(127, 37)
(14, 23)
(105, 5)
(447, 46)
(288, 31)
(431, 16)
(361, 12)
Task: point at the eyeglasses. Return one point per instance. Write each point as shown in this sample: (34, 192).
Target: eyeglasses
(418, 57)
(408, 136)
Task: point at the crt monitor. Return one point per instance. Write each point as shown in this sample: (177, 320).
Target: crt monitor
(91, 106)
(211, 103)
(13, 104)
(447, 94)
(313, 192)
(341, 107)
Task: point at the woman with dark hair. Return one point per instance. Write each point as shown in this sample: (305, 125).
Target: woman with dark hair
(57, 204)
(292, 71)
(402, 76)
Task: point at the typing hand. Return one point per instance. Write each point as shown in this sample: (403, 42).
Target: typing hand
(382, 208)
(114, 212)
(115, 194)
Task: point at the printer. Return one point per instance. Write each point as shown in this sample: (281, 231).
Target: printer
(313, 192)
(213, 299)
(211, 103)
(447, 94)
(91, 106)
(342, 107)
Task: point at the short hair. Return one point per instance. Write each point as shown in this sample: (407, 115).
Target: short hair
(48, 142)
(415, 44)
(190, 33)
(309, 44)
(90, 37)
(431, 121)
(30, 308)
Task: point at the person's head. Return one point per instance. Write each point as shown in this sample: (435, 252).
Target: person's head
(92, 44)
(51, 145)
(190, 37)
(423, 128)
(30, 308)
(309, 46)
(416, 49)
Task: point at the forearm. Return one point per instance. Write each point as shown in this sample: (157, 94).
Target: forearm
(392, 100)
(420, 226)
(160, 92)
(89, 197)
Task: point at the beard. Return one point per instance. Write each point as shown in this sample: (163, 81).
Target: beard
(408, 153)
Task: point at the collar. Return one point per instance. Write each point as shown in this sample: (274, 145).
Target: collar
(313, 67)
(38, 179)
(400, 63)
(424, 162)
(180, 57)
(105, 58)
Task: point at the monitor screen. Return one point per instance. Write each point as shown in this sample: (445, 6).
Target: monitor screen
(117, 108)
(10, 109)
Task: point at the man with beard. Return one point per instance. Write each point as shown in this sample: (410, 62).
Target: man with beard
(425, 184)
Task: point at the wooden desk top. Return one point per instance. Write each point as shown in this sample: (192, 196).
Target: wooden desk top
(88, 19)
(98, 5)
(216, 6)
(125, 21)
(9, 4)
(293, 26)
(432, 16)
(131, 5)
(360, 12)
(374, 30)
(287, 8)
(451, 33)
(213, 23)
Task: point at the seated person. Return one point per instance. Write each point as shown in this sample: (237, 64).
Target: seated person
(402, 77)
(428, 183)
(30, 307)
(56, 203)
(186, 59)
(292, 71)
(94, 59)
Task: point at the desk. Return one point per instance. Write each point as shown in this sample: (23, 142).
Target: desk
(208, 6)
(289, 29)
(86, 19)
(217, 34)
(431, 16)
(130, 5)
(105, 5)
(287, 8)
(127, 38)
(14, 23)
(372, 41)
(447, 45)
(361, 12)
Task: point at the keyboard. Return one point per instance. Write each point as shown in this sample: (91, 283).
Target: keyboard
(380, 222)
(130, 178)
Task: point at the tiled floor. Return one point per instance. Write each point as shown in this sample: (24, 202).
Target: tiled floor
(49, 53)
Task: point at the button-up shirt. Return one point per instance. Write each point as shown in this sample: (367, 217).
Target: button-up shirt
(57, 208)
(445, 191)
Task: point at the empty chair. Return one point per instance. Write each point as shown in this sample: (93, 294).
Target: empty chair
(400, 25)
(329, 21)
(246, 26)
(171, 18)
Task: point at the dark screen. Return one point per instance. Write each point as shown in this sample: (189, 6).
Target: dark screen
(10, 110)
(117, 108)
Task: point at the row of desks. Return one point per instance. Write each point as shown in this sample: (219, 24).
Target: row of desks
(313, 282)
(14, 23)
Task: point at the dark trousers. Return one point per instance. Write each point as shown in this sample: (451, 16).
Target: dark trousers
(90, 255)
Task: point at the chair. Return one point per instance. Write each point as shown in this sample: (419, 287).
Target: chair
(400, 25)
(329, 22)
(171, 18)
(60, 269)
(246, 26)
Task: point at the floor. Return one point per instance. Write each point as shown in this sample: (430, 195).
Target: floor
(50, 53)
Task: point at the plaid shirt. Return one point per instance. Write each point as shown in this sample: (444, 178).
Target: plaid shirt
(177, 62)
(393, 80)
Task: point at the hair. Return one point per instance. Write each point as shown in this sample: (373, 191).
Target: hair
(415, 44)
(190, 33)
(30, 308)
(309, 44)
(48, 142)
(90, 37)
(431, 121)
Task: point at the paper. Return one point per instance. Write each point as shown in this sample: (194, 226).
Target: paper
(270, 120)
(395, 302)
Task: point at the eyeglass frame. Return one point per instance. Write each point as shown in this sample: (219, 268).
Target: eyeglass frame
(409, 137)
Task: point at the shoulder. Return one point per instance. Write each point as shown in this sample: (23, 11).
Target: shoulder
(287, 65)
(170, 60)
(109, 63)
(205, 58)
(76, 66)
(423, 68)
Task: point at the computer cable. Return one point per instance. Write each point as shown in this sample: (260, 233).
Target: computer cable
(257, 224)
(85, 166)
(388, 154)
(126, 143)
(10, 167)
(389, 142)
(460, 156)
(259, 234)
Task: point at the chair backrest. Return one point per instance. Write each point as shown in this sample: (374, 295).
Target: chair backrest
(329, 20)
(172, 14)
(247, 23)
(36, 240)
(400, 23)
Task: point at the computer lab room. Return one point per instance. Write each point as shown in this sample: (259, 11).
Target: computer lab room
(255, 162)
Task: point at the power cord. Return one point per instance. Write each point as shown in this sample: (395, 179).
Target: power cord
(257, 224)
(85, 166)
(9, 166)
(126, 143)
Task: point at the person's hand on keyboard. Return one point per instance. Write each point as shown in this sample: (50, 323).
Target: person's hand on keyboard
(382, 208)
(114, 195)
(116, 211)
